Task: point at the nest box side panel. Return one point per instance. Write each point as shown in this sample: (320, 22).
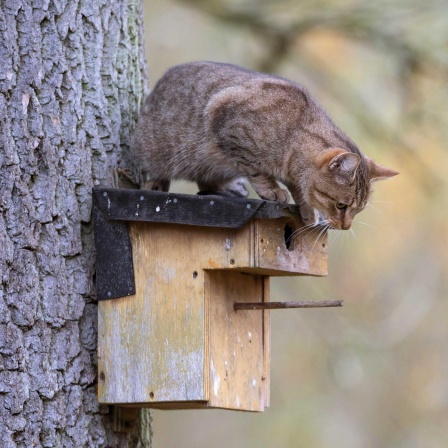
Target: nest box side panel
(239, 370)
(152, 344)
(267, 341)
(284, 247)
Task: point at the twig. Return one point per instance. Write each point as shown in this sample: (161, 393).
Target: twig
(280, 305)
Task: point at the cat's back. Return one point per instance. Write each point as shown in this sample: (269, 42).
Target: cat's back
(185, 91)
(173, 118)
(214, 75)
(197, 82)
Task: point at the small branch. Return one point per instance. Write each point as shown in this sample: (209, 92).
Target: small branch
(280, 305)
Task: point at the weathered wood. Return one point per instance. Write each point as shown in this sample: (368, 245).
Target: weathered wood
(286, 305)
(284, 247)
(238, 379)
(273, 246)
(178, 343)
(266, 378)
(152, 344)
(147, 349)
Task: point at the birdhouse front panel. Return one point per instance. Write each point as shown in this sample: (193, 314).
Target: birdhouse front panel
(239, 342)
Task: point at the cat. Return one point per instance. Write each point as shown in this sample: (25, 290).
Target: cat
(219, 124)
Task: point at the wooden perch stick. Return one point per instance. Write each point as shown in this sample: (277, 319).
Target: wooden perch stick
(279, 305)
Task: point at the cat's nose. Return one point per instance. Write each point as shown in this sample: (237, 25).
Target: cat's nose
(346, 225)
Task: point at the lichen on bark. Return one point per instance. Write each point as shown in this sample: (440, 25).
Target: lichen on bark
(72, 76)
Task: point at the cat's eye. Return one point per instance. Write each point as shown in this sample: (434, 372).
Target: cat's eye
(341, 206)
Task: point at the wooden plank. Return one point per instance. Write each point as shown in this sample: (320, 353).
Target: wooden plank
(152, 345)
(283, 247)
(266, 378)
(237, 355)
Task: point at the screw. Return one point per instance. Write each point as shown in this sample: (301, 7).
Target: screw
(232, 261)
(195, 274)
(102, 376)
(151, 394)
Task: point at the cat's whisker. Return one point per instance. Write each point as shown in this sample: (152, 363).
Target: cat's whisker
(318, 228)
(346, 238)
(374, 208)
(354, 234)
(322, 232)
(342, 236)
(339, 237)
(365, 224)
(298, 231)
(306, 234)
(309, 227)
(336, 236)
(325, 233)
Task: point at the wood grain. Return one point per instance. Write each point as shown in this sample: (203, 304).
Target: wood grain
(178, 342)
(237, 364)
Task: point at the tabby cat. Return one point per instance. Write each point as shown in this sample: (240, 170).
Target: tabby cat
(217, 124)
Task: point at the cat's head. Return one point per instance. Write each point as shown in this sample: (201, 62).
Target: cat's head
(341, 184)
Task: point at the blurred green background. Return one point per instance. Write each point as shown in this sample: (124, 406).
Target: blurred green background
(374, 373)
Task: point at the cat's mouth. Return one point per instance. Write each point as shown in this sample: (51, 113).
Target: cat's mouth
(329, 222)
(323, 221)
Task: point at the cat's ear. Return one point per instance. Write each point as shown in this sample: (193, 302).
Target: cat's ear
(341, 162)
(347, 162)
(379, 172)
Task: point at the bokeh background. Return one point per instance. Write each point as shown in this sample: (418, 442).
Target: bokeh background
(374, 373)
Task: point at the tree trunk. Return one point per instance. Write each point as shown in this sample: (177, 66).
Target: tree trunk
(72, 76)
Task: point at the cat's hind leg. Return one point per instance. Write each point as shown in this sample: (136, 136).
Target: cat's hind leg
(267, 188)
(234, 187)
(156, 185)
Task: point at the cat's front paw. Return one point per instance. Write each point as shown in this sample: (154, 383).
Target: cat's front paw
(308, 214)
(281, 195)
(277, 195)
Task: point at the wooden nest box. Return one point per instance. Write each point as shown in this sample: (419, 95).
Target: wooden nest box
(170, 269)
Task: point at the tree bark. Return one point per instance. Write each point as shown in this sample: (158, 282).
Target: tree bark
(72, 77)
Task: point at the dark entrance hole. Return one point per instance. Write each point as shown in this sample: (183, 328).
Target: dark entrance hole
(288, 235)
